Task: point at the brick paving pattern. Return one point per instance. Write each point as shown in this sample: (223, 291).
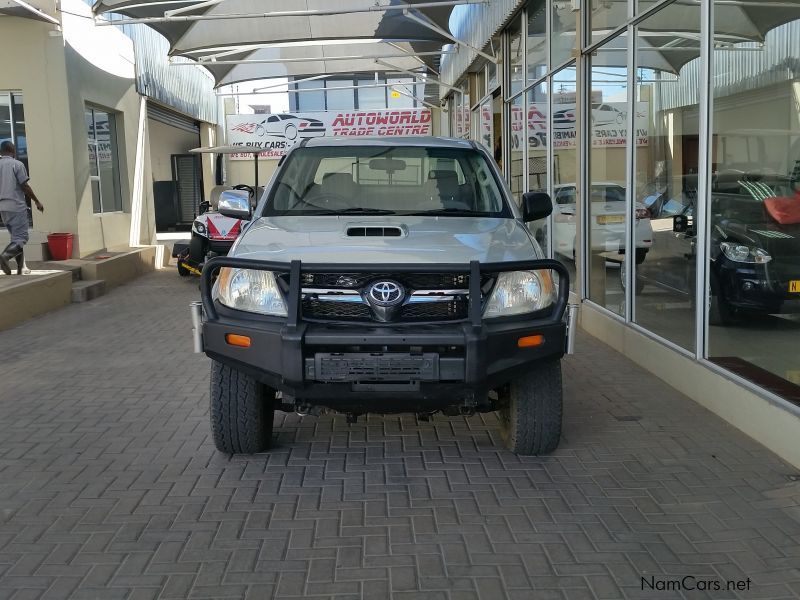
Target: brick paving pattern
(110, 486)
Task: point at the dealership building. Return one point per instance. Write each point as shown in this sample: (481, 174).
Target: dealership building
(103, 125)
(690, 113)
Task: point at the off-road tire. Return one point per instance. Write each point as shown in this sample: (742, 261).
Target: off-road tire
(242, 410)
(530, 410)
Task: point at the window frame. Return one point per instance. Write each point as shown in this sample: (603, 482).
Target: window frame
(117, 204)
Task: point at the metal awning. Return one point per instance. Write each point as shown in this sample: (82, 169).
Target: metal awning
(271, 61)
(20, 8)
(237, 33)
(749, 20)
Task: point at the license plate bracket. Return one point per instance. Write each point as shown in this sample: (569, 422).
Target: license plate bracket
(395, 367)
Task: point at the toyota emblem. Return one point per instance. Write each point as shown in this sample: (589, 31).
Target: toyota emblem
(385, 293)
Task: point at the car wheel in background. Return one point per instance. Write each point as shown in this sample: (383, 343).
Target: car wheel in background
(197, 249)
(290, 132)
(720, 311)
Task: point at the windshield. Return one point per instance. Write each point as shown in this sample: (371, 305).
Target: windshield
(379, 180)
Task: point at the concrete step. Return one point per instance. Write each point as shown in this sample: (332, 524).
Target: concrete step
(71, 265)
(83, 291)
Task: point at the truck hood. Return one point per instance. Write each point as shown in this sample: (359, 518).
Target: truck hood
(426, 240)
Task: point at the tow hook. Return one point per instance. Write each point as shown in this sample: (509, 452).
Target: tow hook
(196, 309)
(572, 324)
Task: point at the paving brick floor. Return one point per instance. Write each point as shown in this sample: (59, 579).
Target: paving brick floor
(110, 486)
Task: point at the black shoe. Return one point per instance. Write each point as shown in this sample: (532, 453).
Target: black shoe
(20, 258)
(12, 250)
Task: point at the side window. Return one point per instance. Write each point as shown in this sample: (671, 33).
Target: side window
(272, 119)
(101, 133)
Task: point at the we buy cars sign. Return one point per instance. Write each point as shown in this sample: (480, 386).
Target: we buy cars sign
(274, 134)
(609, 121)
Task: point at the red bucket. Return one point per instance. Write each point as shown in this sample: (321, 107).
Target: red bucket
(60, 245)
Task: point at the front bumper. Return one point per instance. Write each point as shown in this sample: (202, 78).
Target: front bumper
(757, 288)
(401, 366)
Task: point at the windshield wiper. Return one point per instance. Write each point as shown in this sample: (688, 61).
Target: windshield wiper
(366, 211)
(457, 212)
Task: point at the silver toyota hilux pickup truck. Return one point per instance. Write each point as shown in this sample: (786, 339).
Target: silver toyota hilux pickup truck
(383, 276)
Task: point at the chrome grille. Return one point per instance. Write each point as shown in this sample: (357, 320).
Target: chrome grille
(414, 281)
(430, 296)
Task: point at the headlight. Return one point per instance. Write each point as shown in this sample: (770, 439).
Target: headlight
(520, 292)
(745, 254)
(250, 290)
(199, 227)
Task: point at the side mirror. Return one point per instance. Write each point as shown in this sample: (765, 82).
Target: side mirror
(204, 207)
(235, 204)
(535, 206)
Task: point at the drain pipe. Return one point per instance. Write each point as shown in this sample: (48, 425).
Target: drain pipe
(196, 309)
(572, 324)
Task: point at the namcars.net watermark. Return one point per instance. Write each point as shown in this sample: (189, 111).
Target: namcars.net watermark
(691, 583)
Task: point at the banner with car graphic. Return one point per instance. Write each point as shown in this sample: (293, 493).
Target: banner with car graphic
(609, 125)
(274, 133)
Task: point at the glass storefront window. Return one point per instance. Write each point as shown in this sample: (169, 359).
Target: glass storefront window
(605, 17)
(564, 173)
(536, 45)
(486, 125)
(754, 201)
(536, 123)
(463, 116)
(606, 218)
(563, 40)
(516, 143)
(666, 139)
(494, 69)
(516, 59)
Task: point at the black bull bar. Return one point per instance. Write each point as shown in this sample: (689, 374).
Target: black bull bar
(474, 269)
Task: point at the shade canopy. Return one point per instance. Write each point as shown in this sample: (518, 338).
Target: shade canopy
(10, 8)
(264, 62)
(746, 20)
(266, 30)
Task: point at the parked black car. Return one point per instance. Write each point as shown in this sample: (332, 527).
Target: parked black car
(755, 260)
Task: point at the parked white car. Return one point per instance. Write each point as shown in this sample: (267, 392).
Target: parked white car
(607, 221)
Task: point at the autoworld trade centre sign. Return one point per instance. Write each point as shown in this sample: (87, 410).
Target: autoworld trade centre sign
(275, 133)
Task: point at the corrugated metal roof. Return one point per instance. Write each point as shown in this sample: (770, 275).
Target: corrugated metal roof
(474, 24)
(189, 90)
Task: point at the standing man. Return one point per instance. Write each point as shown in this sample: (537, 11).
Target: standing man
(14, 190)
